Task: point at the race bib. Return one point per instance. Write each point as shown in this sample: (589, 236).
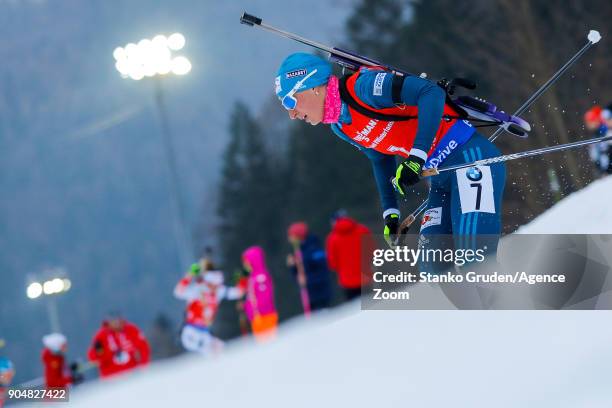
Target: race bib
(476, 189)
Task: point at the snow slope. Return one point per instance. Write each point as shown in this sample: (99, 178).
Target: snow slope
(390, 359)
(353, 358)
(588, 211)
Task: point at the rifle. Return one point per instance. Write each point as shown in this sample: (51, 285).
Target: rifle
(467, 107)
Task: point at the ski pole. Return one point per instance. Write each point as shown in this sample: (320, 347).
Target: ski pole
(593, 38)
(301, 278)
(407, 222)
(519, 155)
(498, 159)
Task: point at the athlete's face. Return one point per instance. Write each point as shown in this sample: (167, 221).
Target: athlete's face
(310, 105)
(592, 125)
(116, 324)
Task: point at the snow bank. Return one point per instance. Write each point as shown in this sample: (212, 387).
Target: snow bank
(353, 358)
(588, 211)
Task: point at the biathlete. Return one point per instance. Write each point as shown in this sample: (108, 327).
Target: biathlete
(385, 115)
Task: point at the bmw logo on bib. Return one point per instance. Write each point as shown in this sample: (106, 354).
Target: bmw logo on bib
(474, 174)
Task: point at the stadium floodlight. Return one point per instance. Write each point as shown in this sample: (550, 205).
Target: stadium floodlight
(67, 284)
(176, 41)
(49, 287)
(119, 53)
(151, 57)
(56, 283)
(53, 286)
(181, 66)
(35, 289)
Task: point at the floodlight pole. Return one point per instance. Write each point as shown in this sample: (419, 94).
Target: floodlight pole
(54, 320)
(181, 232)
(138, 65)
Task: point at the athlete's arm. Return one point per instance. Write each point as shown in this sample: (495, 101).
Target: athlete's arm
(383, 167)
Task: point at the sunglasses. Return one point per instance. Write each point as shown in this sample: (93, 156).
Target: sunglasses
(289, 102)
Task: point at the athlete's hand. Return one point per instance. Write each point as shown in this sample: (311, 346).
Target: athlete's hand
(408, 173)
(290, 261)
(392, 223)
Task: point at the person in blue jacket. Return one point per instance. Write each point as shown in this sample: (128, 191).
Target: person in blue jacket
(386, 115)
(318, 277)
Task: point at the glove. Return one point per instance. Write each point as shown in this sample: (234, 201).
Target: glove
(392, 222)
(408, 173)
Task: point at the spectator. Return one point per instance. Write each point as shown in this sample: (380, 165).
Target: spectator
(259, 304)
(118, 346)
(317, 277)
(7, 372)
(57, 374)
(349, 248)
(241, 280)
(203, 291)
(606, 118)
(598, 122)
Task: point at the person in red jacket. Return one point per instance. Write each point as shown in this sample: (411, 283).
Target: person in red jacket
(203, 290)
(118, 346)
(54, 361)
(349, 248)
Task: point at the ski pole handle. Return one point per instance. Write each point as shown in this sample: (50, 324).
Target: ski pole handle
(430, 172)
(403, 228)
(406, 223)
(409, 220)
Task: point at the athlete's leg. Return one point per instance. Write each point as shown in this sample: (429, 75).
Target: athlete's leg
(476, 201)
(436, 227)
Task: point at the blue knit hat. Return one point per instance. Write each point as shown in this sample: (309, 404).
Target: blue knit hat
(297, 66)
